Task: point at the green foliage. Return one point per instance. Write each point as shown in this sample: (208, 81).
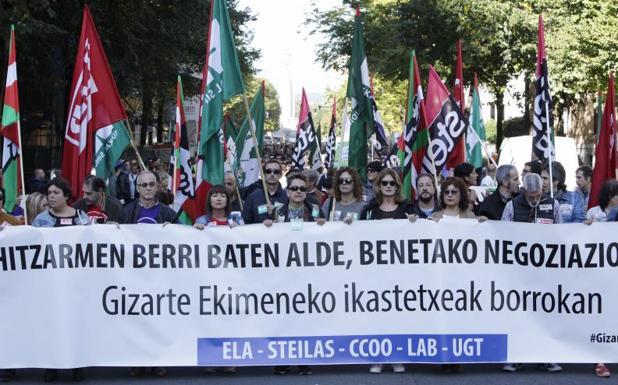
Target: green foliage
(490, 131)
(238, 112)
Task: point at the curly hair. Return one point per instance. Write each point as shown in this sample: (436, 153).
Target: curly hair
(459, 185)
(358, 185)
(378, 192)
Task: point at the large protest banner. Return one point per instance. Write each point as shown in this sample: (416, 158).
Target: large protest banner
(385, 291)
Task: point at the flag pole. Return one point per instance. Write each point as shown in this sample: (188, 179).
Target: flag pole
(139, 157)
(331, 216)
(549, 147)
(21, 172)
(229, 164)
(433, 167)
(255, 146)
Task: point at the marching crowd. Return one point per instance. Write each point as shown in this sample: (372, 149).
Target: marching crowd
(136, 196)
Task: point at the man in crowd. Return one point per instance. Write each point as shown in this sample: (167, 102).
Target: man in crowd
(532, 206)
(147, 209)
(427, 202)
(133, 180)
(489, 180)
(507, 179)
(112, 182)
(583, 180)
(256, 210)
(572, 206)
(38, 183)
(373, 168)
(100, 207)
(123, 188)
(534, 166)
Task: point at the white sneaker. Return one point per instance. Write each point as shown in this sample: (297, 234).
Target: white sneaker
(551, 367)
(399, 368)
(510, 368)
(376, 368)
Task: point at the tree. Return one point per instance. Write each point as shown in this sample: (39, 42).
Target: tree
(237, 110)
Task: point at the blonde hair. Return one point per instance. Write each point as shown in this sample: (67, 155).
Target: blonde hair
(34, 205)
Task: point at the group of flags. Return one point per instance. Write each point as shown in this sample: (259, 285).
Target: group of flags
(436, 133)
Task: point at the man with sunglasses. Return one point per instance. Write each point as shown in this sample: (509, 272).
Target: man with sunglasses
(147, 209)
(256, 209)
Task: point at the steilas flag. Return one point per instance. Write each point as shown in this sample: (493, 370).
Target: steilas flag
(305, 135)
(10, 130)
(445, 120)
(94, 110)
(221, 80)
(458, 155)
(605, 154)
(247, 167)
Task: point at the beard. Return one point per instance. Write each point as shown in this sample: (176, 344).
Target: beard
(425, 197)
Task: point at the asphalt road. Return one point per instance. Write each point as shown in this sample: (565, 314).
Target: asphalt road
(580, 374)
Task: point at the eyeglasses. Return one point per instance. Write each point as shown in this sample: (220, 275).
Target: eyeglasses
(272, 171)
(297, 188)
(451, 192)
(345, 180)
(149, 184)
(385, 183)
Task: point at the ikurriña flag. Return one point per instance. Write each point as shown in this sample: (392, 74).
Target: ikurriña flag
(446, 123)
(605, 153)
(96, 133)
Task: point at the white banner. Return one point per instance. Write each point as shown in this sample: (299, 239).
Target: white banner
(375, 291)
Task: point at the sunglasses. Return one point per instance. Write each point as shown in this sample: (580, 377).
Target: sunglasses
(144, 185)
(272, 171)
(385, 183)
(451, 192)
(345, 180)
(297, 188)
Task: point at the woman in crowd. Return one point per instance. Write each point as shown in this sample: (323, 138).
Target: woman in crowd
(218, 210)
(36, 203)
(347, 200)
(454, 200)
(608, 204)
(388, 201)
(60, 214)
(299, 209)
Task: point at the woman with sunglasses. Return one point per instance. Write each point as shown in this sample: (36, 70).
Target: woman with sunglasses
(454, 201)
(346, 202)
(218, 210)
(298, 207)
(388, 201)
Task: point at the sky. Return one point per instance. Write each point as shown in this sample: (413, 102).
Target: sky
(288, 52)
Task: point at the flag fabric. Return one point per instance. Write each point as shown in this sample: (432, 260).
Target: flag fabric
(329, 157)
(96, 133)
(10, 130)
(445, 121)
(474, 154)
(221, 80)
(359, 92)
(378, 122)
(458, 155)
(247, 167)
(605, 153)
(343, 147)
(229, 145)
(543, 106)
(173, 170)
(184, 192)
(416, 134)
(305, 135)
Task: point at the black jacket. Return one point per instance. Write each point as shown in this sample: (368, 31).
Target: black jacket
(493, 206)
(113, 208)
(255, 210)
(131, 211)
(310, 213)
(123, 187)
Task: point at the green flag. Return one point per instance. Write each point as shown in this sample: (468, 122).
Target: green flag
(110, 143)
(359, 92)
(247, 166)
(473, 144)
(223, 81)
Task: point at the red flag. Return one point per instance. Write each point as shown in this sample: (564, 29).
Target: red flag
(445, 121)
(458, 155)
(605, 154)
(94, 103)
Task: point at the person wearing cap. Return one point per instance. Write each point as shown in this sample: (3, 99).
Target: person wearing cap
(373, 168)
(99, 207)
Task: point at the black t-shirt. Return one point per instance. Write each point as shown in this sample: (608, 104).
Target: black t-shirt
(66, 221)
(399, 213)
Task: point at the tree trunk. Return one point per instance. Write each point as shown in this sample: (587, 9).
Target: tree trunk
(499, 119)
(160, 138)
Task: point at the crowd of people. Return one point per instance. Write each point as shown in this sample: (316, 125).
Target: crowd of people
(136, 196)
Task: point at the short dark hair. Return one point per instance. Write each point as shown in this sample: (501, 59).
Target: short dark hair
(463, 170)
(218, 189)
(558, 173)
(586, 170)
(296, 175)
(608, 191)
(274, 161)
(61, 184)
(536, 166)
(97, 184)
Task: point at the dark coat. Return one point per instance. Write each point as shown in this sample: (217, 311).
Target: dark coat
(113, 208)
(131, 211)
